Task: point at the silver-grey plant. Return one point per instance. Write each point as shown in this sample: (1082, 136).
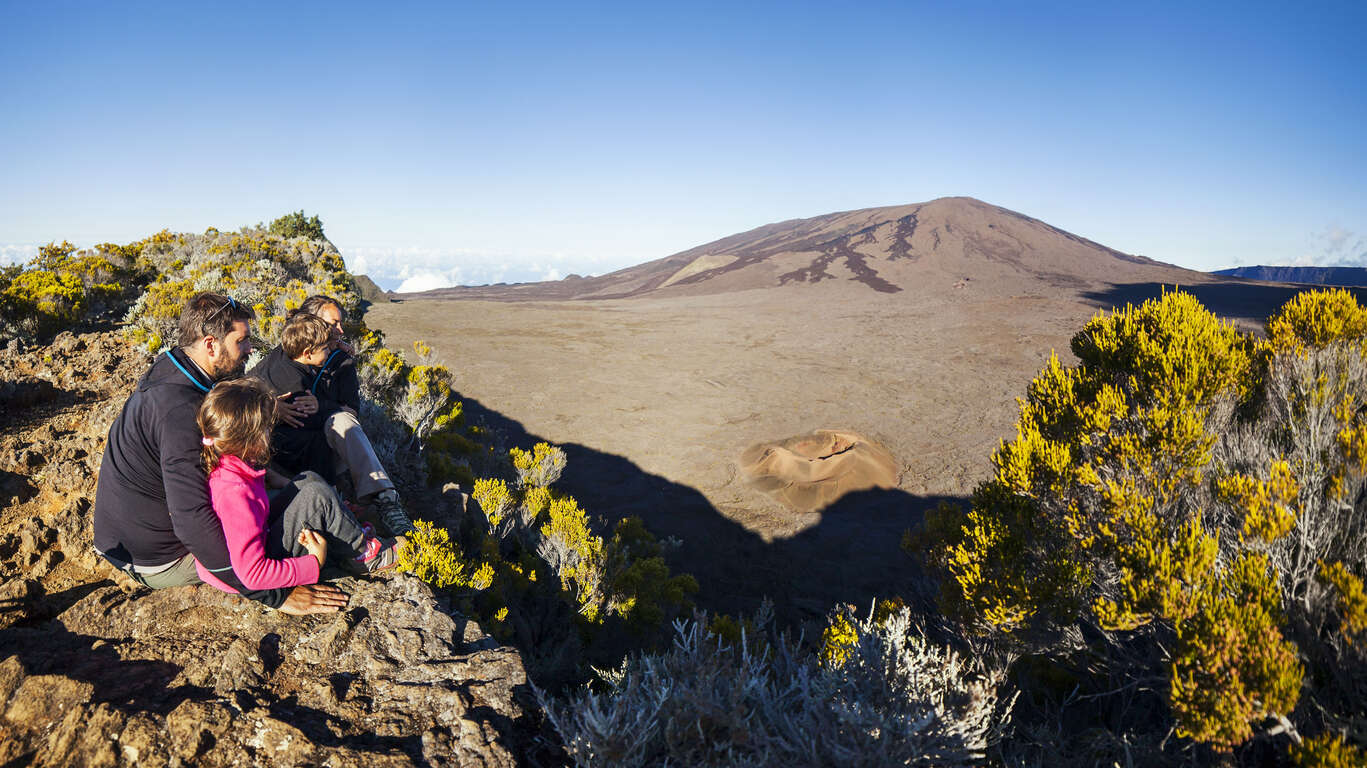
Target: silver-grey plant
(897, 699)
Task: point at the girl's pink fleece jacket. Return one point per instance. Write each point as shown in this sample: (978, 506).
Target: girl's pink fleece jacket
(238, 494)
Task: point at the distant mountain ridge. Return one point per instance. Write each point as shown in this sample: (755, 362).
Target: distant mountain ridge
(370, 291)
(939, 245)
(1346, 276)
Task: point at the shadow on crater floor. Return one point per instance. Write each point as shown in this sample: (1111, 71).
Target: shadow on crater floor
(852, 554)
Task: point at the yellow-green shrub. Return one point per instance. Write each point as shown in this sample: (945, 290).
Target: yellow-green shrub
(838, 639)
(494, 499)
(1102, 451)
(1327, 751)
(431, 556)
(1350, 599)
(1316, 318)
(1168, 492)
(575, 553)
(539, 467)
(62, 288)
(841, 635)
(426, 397)
(1232, 666)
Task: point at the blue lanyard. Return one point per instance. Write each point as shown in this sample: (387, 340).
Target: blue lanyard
(314, 387)
(192, 379)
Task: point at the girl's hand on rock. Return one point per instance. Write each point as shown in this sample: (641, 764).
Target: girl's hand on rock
(315, 544)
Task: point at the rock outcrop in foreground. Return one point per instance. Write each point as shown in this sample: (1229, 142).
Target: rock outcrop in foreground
(96, 671)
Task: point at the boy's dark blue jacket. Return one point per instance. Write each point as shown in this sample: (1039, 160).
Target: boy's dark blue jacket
(152, 498)
(334, 383)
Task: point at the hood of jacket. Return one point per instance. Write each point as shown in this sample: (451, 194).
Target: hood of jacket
(173, 368)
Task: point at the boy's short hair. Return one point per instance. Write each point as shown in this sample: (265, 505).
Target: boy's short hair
(304, 332)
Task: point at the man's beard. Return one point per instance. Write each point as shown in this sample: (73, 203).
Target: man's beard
(224, 370)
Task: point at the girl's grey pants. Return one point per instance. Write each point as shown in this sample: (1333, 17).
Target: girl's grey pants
(309, 502)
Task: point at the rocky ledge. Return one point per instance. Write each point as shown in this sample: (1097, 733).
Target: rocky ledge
(97, 671)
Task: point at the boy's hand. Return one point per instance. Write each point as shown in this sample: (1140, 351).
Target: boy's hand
(294, 412)
(315, 544)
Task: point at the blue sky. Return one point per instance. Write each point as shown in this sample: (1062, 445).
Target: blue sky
(451, 142)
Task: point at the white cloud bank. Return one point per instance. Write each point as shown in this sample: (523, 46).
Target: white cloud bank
(407, 269)
(1332, 247)
(17, 253)
(1340, 247)
(424, 269)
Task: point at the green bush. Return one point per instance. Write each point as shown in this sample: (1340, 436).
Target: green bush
(298, 225)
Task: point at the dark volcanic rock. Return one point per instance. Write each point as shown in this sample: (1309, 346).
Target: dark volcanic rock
(208, 678)
(370, 291)
(26, 393)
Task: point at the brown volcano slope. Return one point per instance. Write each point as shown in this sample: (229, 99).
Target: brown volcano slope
(924, 246)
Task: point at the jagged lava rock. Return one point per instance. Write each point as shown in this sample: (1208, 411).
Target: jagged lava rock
(207, 678)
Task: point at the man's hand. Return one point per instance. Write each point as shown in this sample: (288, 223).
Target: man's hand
(314, 598)
(293, 413)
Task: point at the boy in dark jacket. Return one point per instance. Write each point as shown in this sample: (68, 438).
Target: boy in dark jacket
(308, 360)
(293, 369)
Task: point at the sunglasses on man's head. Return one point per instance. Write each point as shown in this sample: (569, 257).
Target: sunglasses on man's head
(205, 325)
(230, 303)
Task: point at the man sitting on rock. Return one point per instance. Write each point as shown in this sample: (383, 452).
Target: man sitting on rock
(152, 518)
(313, 359)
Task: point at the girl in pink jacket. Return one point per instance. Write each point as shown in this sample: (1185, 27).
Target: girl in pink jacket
(271, 542)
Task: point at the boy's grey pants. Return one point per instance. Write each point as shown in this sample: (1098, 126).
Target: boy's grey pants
(354, 451)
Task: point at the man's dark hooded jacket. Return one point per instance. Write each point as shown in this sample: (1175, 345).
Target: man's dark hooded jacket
(334, 383)
(152, 501)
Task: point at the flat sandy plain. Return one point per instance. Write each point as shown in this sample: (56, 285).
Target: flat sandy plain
(657, 396)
